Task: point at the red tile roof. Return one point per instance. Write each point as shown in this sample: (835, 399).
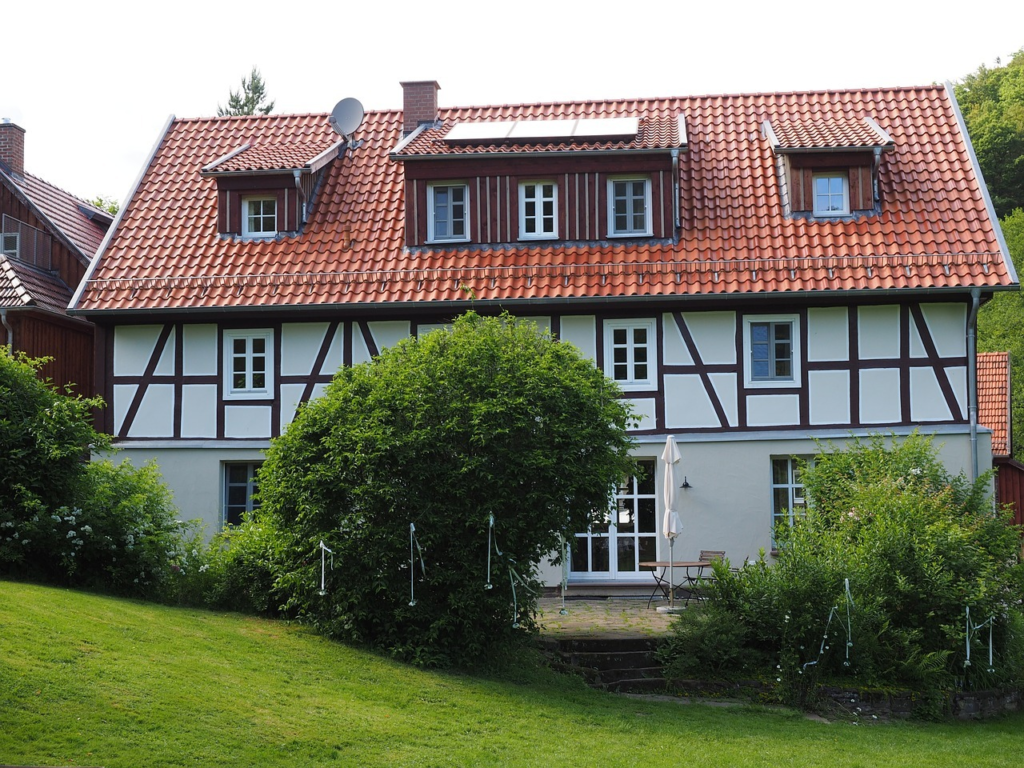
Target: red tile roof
(994, 398)
(828, 133)
(82, 223)
(273, 156)
(933, 232)
(22, 285)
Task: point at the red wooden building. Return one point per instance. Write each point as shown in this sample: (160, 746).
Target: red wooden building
(994, 412)
(47, 238)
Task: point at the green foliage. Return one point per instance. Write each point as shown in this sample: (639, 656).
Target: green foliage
(916, 545)
(707, 642)
(489, 417)
(242, 565)
(992, 103)
(1001, 327)
(106, 203)
(251, 99)
(45, 435)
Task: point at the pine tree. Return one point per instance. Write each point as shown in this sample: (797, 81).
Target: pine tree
(249, 100)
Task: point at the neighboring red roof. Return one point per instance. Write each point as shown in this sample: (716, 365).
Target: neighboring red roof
(829, 133)
(654, 132)
(933, 232)
(994, 398)
(22, 285)
(70, 214)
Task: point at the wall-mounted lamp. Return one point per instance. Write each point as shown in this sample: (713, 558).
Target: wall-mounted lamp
(686, 483)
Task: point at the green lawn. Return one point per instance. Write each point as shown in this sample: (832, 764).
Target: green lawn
(88, 680)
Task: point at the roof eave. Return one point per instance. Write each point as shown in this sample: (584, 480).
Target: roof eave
(543, 153)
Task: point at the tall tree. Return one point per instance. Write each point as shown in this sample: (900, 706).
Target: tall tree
(250, 100)
(992, 103)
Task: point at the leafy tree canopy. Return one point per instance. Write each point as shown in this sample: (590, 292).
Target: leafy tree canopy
(992, 103)
(251, 99)
(489, 419)
(108, 204)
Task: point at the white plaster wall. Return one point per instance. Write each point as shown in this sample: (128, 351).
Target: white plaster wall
(155, 417)
(133, 346)
(199, 410)
(773, 410)
(300, 343)
(123, 396)
(247, 421)
(291, 394)
(687, 404)
(879, 396)
(674, 350)
(878, 332)
(714, 335)
(828, 334)
(165, 365)
(388, 333)
(957, 375)
(726, 389)
(644, 409)
(335, 354)
(581, 332)
(926, 400)
(947, 324)
(829, 397)
(199, 356)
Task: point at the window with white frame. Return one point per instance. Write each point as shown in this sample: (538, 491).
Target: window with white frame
(240, 485)
(538, 210)
(259, 216)
(9, 244)
(248, 364)
(630, 353)
(448, 212)
(628, 536)
(788, 501)
(629, 207)
(772, 349)
(831, 193)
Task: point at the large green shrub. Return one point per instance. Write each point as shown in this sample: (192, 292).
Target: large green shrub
(487, 418)
(916, 547)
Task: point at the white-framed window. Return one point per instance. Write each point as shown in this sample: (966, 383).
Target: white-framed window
(615, 548)
(9, 244)
(240, 485)
(629, 207)
(788, 500)
(630, 353)
(538, 210)
(831, 193)
(248, 364)
(447, 213)
(259, 216)
(771, 345)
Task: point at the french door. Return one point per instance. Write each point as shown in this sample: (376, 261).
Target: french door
(614, 549)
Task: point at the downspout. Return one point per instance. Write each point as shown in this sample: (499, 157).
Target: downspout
(675, 187)
(302, 203)
(972, 377)
(10, 330)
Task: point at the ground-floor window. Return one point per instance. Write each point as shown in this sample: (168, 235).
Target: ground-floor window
(787, 491)
(627, 537)
(240, 485)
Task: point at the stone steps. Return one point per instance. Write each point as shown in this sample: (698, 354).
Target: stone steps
(623, 665)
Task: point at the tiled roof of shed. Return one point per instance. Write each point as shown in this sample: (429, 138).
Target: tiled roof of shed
(24, 286)
(266, 156)
(933, 231)
(994, 398)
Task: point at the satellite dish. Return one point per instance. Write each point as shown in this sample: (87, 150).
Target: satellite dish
(346, 117)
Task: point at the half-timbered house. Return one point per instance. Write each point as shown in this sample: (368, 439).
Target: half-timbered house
(757, 272)
(47, 238)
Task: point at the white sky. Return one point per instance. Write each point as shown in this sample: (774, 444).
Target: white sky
(93, 83)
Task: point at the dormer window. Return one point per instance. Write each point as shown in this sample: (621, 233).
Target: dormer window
(448, 215)
(629, 207)
(259, 216)
(10, 244)
(831, 193)
(538, 210)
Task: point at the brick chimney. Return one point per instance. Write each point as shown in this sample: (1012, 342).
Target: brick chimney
(12, 146)
(419, 104)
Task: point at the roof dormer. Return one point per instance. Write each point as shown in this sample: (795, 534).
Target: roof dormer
(828, 168)
(265, 189)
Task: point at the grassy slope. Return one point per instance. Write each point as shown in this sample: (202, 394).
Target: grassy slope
(88, 680)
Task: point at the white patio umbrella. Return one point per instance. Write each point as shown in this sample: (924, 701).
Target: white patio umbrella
(671, 526)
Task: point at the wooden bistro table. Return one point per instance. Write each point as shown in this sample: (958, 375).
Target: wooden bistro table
(685, 573)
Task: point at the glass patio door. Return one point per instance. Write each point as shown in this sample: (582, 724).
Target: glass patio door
(614, 549)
